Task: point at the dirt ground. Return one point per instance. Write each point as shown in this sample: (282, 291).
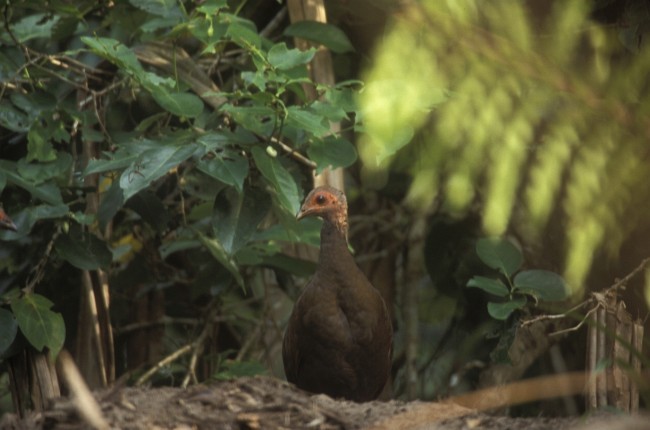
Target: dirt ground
(268, 403)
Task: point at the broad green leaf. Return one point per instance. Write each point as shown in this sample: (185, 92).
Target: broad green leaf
(244, 33)
(284, 184)
(117, 163)
(304, 120)
(48, 192)
(219, 253)
(111, 202)
(13, 119)
(37, 173)
(254, 118)
(326, 34)
(499, 254)
(501, 311)
(41, 326)
(179, 104)
(228, 167)
(211, 7)
(115, 52)
(8, 330)
(83, 250)
(492, 286)
(543, 284)
(164, 8)
(283, 58)
(39, 144)
(236, 216)
(33, 26)
(331, 152)
(151, 165)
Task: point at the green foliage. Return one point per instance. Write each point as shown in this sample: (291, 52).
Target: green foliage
(41, 326)
(185, 121)
(540, 117)
(502, 255)
(323, 33)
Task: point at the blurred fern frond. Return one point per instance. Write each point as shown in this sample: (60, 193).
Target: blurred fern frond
(530, 108)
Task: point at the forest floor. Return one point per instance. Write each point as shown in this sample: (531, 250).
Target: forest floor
(268, 403)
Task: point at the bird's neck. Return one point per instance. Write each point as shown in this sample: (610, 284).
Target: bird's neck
(334, 252)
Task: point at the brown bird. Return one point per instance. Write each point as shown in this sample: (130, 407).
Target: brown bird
(339, 337)
(5, 222)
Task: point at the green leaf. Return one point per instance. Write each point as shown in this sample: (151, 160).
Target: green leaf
(285, 186)
(49, 193)
(236, 369)
(304, 120)
(13, 119)
(543, 284)
(501, 311)
(236, 216)
(153, 164)
(211, 7)
(115, 52)
(41, 172)
(332, 152)
(33, 26)
(283, 58)
(219, 253)
(83, 250)
(492, 286)
(254, 118)
(164, 8)
(228, 167)
(180, 104)
(117, 163)
(8, 330)
(499, 254)
(39, 145)
(41, 326)
(243, 32)
(326, 34)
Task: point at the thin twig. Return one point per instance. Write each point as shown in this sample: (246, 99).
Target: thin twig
(164, 362)
(293, 153)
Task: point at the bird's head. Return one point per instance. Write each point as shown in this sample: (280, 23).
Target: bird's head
(5, 222)
(327, 203)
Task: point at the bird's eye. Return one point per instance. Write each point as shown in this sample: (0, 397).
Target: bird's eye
(320, 199)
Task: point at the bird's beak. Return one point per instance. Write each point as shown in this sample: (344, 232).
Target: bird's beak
(7, 224)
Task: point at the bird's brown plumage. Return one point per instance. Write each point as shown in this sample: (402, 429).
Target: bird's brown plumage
(339, 336)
